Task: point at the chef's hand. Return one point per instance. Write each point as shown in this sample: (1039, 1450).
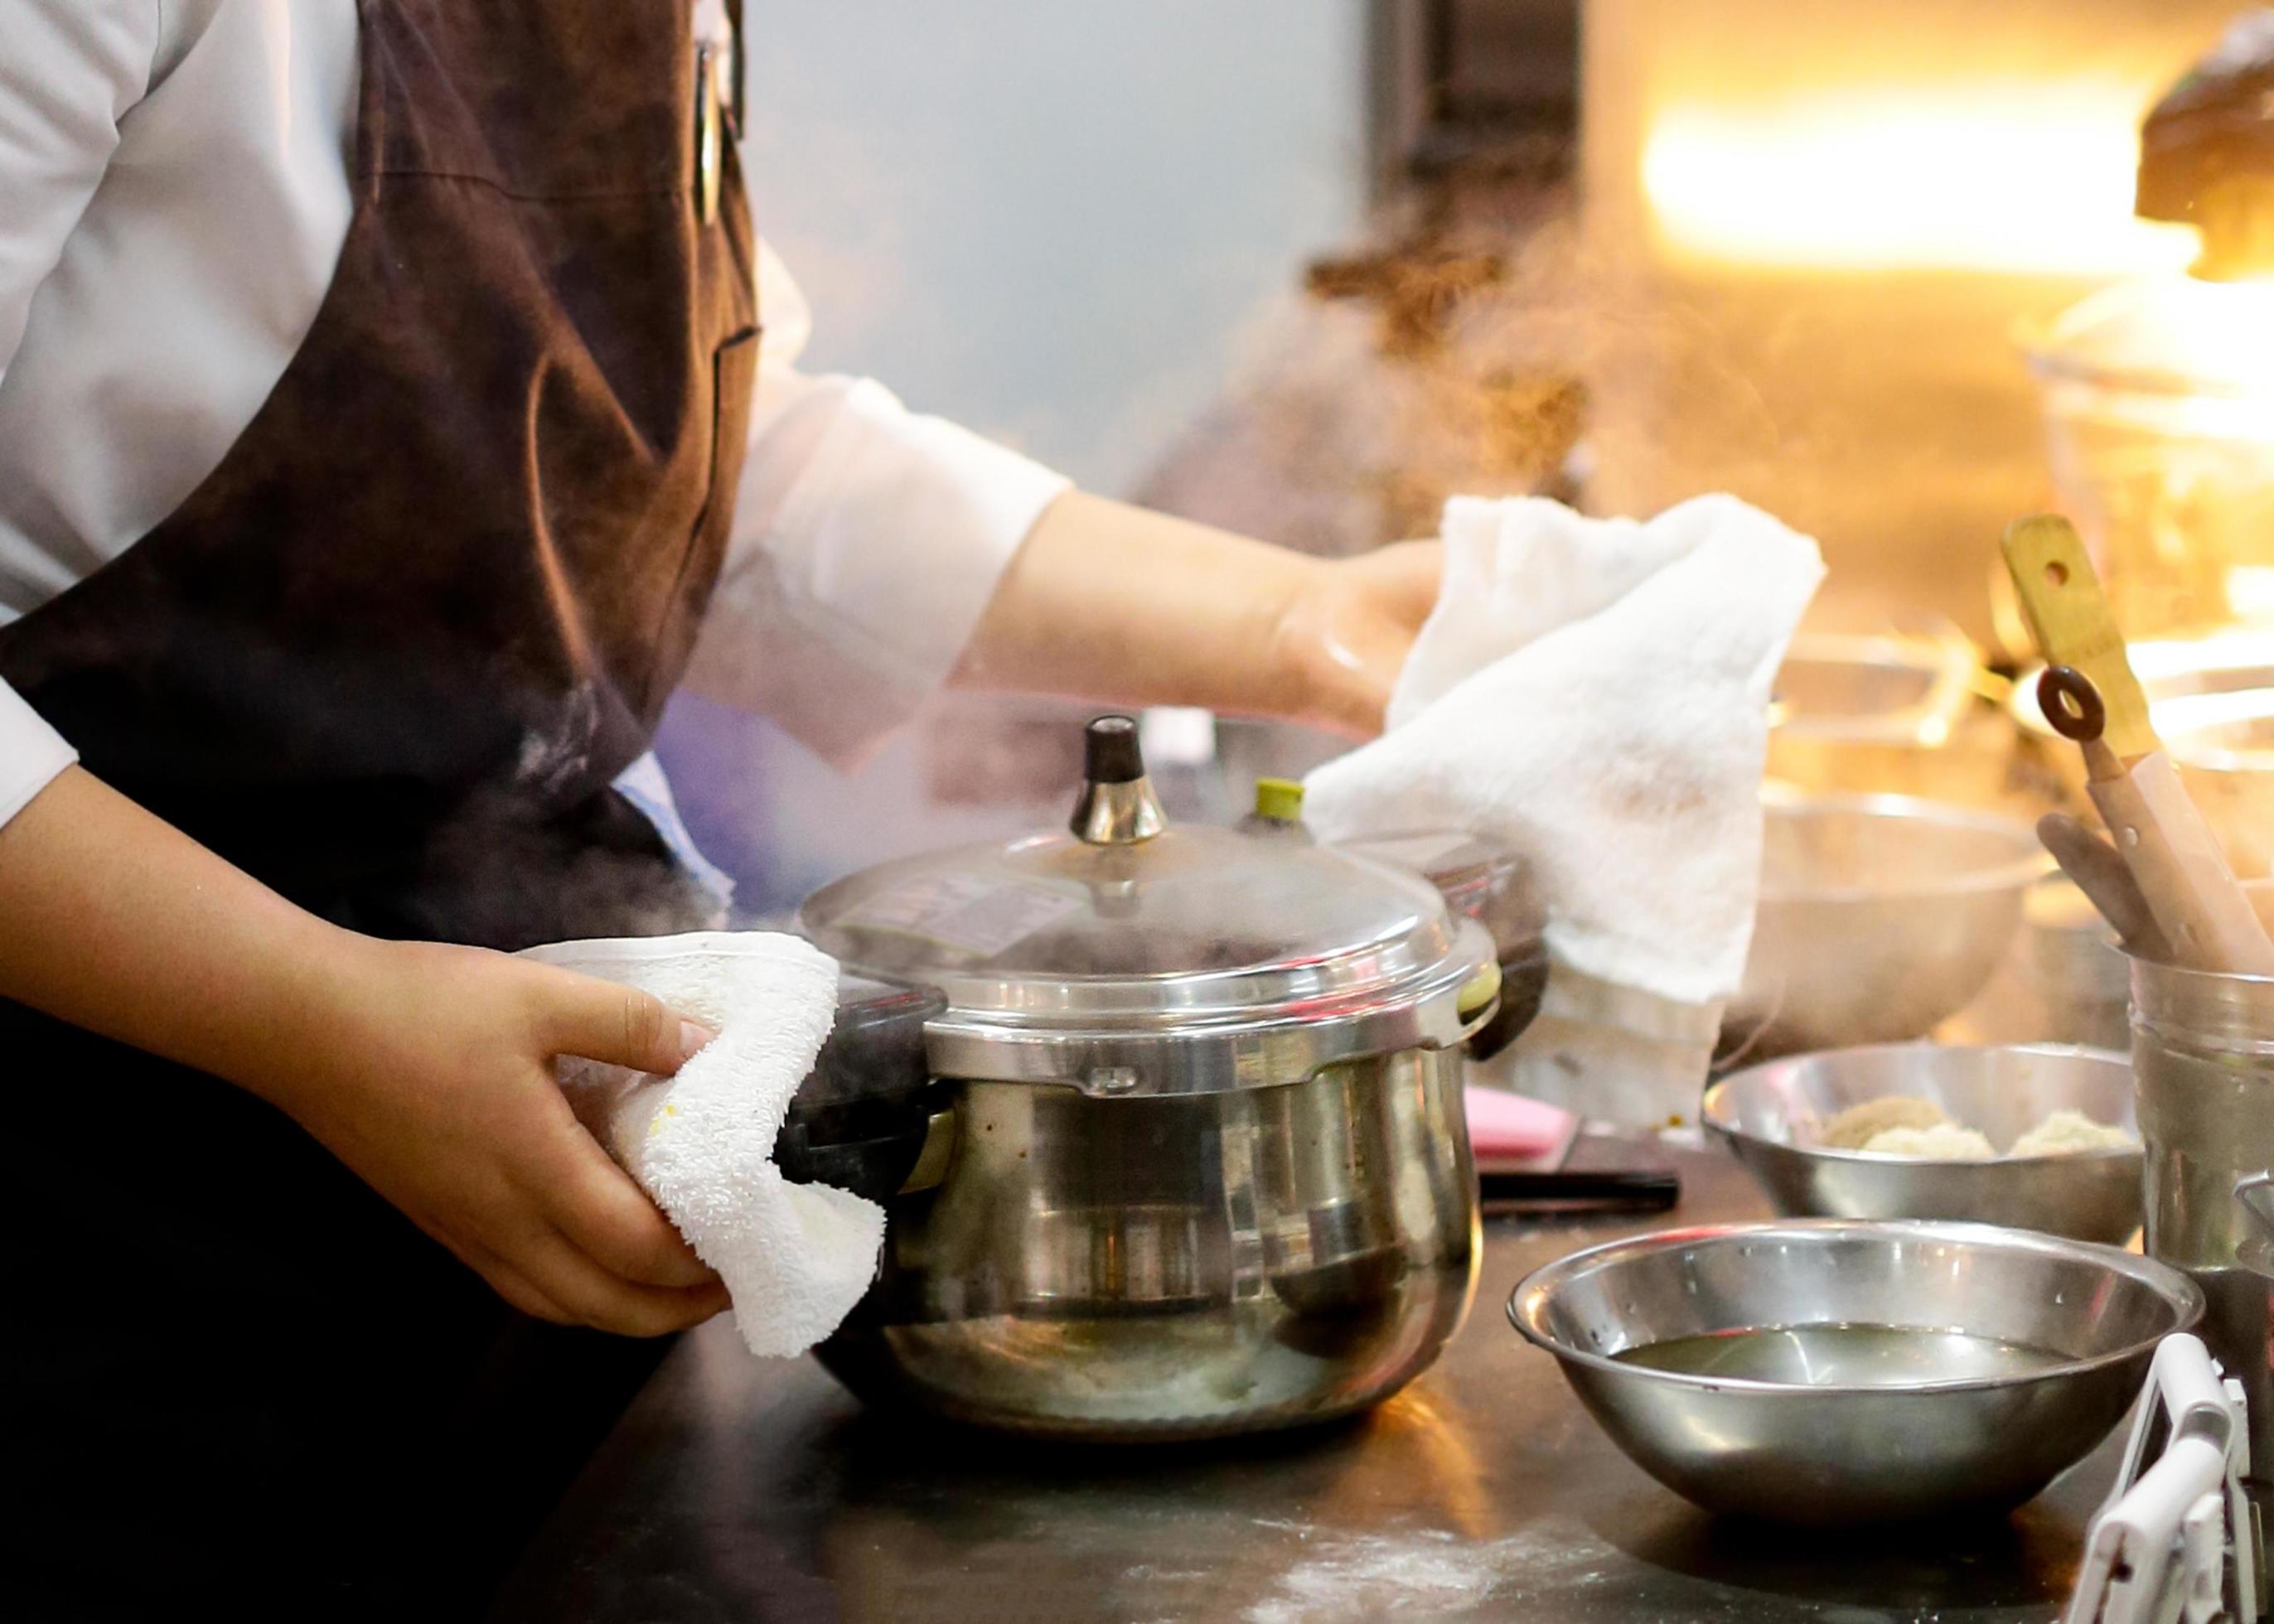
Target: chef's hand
(427, 1069)
(1107, 601)
(437, 1089)
(1344, 641)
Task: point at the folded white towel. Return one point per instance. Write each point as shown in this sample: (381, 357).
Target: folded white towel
(795, 1258)
(1596, 692)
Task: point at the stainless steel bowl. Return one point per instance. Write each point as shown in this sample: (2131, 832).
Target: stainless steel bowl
(1771, 1118)
(2074, 965)
(1879, 915)
(1912, 1369)
(1886, 713)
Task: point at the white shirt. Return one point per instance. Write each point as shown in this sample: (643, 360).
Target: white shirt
(174, 194)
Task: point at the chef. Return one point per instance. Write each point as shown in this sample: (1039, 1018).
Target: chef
(394, 408)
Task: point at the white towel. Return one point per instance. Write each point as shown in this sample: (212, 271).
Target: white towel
(795, 1258)
(1596, 692)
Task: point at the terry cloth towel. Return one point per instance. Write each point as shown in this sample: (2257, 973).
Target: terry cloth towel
(1596, 692)
(795, 1258)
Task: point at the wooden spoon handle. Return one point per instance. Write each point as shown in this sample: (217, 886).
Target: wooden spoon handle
(2204, 915)
(2099, 871)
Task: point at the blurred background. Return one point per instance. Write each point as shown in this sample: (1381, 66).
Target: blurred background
(1894, 269)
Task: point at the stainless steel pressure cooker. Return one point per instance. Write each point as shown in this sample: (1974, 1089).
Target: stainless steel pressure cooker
(1187, 1155)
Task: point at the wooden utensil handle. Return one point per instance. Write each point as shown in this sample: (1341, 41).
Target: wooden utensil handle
(2071, 622)
(2098, 870)
(2204, 915)
(2235, 939)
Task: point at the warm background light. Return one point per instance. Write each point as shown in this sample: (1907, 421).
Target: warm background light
(1819, 238)
(2001, 177)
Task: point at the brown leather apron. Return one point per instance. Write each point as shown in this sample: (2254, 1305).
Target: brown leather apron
(388, 658)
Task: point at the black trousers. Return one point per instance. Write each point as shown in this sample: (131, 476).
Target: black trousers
(245, 1382)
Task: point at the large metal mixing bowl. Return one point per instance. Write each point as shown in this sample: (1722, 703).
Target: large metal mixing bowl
(1879, 915)
(1922, 1370)
(1897, 714)
(1773, 1118)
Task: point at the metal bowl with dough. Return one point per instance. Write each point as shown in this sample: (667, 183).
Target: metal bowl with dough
(1773, 1118)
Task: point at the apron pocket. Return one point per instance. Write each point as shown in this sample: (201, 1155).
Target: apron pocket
(733, 375)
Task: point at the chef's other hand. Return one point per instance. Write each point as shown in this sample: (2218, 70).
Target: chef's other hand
(440, 1095)
(1343, 641)
(1111, 602)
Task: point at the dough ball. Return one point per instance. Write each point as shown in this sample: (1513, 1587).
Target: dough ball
(1856, 1127)
(2065, 1132)
(1943, 1141)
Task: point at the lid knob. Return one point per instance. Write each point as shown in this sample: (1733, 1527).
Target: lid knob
(1117, 806)
(1110, 753)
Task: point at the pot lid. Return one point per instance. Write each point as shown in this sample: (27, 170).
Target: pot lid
(1127, 957)
(1485, 879)
(1455, 862)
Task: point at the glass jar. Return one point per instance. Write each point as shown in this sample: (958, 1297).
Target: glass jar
(2159, 409)
(2202, 1051)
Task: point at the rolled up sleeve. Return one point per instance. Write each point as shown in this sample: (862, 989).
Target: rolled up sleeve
(867, 541)
(32, 753)
(69, 70)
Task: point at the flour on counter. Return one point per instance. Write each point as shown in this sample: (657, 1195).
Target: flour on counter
(1432, 1572)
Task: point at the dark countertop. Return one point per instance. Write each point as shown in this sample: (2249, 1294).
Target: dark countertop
(741, 1490)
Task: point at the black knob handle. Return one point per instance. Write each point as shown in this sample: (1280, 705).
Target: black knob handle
(1110, 753)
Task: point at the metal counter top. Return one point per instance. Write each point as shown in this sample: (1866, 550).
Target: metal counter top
(736, 1490)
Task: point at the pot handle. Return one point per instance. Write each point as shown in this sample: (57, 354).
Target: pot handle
(2256, 1195)
(1479, 998)
(932, 1160)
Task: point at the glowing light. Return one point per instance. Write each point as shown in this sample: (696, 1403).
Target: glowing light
(2250, 593)
(1997, 177)
(2215, 338)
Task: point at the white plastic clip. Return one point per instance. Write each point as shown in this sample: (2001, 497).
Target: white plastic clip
(2172, 1535)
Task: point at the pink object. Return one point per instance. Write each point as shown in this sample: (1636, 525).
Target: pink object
(1511, 1126)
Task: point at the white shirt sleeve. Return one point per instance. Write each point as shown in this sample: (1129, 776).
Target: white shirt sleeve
(31, 754)
(866, 543)
(70, 69)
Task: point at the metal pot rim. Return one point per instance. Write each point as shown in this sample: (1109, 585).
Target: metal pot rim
(2169, 1283)
(1170, 1053)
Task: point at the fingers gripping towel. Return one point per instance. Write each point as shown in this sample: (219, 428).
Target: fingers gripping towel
(796, 1258)
(1596, 692)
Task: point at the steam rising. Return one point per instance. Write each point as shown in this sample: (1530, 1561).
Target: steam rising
(1464, 356)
